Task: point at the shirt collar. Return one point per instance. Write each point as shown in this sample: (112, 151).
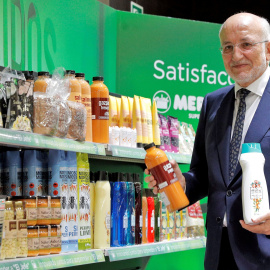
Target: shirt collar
(258, 86)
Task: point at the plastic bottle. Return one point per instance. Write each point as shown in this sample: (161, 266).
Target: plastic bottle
(255, 198)
(92, 206)
(130, 210)
(157, 217)
(119, 206)
(138, 208)
(74, 85)
(144, 218)
(100, 110)
(171, 191)
(102, 211)
(86, 101)
(151, 216)
(41, 83)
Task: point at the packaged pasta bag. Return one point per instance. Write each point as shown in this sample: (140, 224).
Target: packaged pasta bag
(51, 113)
(58, 87)
(20, 104)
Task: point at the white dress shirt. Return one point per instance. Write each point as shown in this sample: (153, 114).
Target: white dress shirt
(252, 101)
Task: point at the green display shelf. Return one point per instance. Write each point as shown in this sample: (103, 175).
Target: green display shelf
(137, 251)
(31, 140)
(54, 261)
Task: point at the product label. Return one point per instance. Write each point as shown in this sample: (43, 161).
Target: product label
(13, 180)
(22, 228)
(164, 174)
(33, 244)
(56, 242)
(31, 213)
(86, 101)
(44, 213)
(256, 195)
(44, 242)
(100, 108)
(141, 221)
(56, 213)
(164, 199)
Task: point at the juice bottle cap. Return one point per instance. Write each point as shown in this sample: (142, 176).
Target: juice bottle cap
(251, 148)
(129, 177)
(102, 176)
(98, 78)
(149, 146)
(43, 73)
(120, 177)
(136, 178)
(29, 77)
(70, 72)
(149, 192)
(80, 75)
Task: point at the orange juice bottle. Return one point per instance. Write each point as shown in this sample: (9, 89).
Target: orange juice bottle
(75, 86)
(170, 189)
(86, 101)
(41, 83)
(100, 110)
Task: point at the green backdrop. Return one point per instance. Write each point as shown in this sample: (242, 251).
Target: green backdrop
(176, 61)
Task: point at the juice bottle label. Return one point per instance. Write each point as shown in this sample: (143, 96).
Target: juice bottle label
(164, 174)
(100, 108)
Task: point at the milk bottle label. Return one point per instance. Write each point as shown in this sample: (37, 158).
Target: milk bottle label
(256, 195)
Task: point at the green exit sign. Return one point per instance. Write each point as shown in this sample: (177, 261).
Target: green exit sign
(135, 8)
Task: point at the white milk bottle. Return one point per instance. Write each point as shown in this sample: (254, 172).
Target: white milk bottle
(255, 199)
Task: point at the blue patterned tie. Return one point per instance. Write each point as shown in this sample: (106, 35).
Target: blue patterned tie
(237, 132)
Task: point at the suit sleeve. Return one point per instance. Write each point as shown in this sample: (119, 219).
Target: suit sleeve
(197, 177)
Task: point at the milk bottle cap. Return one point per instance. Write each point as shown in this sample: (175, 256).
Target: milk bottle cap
(251, 148)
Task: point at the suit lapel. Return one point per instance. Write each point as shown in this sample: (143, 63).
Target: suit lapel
(259, 125)
(223, 132)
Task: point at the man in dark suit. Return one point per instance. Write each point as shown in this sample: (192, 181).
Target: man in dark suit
(229, 117)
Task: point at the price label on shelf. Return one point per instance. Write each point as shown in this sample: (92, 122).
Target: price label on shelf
(54, 261)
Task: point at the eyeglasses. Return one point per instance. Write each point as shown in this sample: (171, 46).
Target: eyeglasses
(243, 46)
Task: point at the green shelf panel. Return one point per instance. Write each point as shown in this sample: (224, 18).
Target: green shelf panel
(32, 140)
(131, 252)
(139, 153)
(54, 261)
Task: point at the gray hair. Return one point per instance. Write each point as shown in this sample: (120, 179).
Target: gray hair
(265, 27)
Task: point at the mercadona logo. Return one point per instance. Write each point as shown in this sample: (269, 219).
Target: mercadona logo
(163, 101)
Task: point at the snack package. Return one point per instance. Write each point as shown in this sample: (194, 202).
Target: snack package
(77, 127)
(192, 224)
(174, 133)
(164, 134)
(200, 220)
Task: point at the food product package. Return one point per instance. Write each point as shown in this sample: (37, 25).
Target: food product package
(137, 120)
(156, 123)
(144, 122)
(113, 115)
(124, 113)
(72, 201)
(2, 211)
(12, 173)
(84, 215)
(164, 134)
(118, 104)
(174, 133)
(130, 105)
(35, 173)
(77, 127)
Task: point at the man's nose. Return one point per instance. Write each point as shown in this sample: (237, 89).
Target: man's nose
(237, 53)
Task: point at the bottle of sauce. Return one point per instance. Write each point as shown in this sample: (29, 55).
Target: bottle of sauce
(86, 101)
(151, 216)
(74, 85)
(130, 210)
(41, 83)
(100, 110)
(170, 189)
(138, 208)
(255, 198)
(102, 211)
(144, 218)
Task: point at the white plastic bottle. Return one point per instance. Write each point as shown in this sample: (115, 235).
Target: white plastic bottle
(255, 199)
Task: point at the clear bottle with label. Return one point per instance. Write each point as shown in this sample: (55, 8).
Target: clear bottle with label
(130, 210)
(86, 101)
(41, 83)
(255, 197)
(170, 189)
(102, 211)
(74, 85)
(138, 208)
(100, 110)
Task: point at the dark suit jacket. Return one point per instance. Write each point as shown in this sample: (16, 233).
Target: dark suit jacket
(209, 176)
